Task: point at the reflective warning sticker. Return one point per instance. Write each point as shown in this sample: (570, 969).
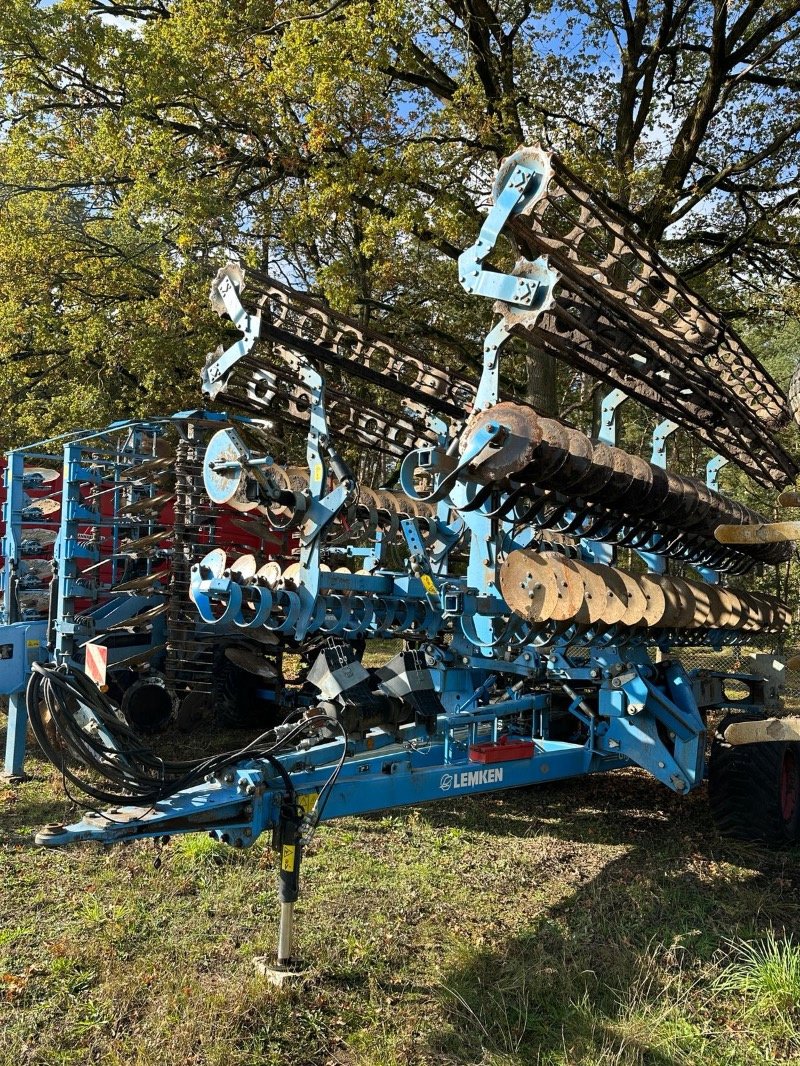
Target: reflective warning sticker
(428, 583)
(287, 858)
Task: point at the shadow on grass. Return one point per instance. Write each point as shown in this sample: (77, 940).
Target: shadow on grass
(616, 971)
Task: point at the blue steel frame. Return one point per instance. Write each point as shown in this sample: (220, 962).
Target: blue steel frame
(62, 636)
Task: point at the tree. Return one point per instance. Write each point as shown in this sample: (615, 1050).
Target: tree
(349, 144)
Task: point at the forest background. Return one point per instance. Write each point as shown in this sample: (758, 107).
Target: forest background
(348, 147)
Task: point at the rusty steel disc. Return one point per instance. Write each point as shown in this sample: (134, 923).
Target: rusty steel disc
(552, 454)
(789, 498)
(148, 503)
(244, 567)
(256, 529)
(269, 574)
(702, 602)
(298, 478)
(717, 607)
(386, 502)
(615, 597)
(656, 600)
(367, 498)
(599, 479)
(675, 611)
(636, 605)
(518, 447)
(590, 611)
(569, 586)
(728, 613)
(579, 464)
(529, 586)
(687, 602)
(251, 662)
(44, 505)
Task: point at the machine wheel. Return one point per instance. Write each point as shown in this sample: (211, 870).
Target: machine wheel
(754, 789)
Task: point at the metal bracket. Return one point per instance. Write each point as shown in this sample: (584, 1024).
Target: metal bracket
(225, 290)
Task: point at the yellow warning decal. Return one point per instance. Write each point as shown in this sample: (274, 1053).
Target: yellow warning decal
(32, 643)
(316, 474)
(307, 802)
(428, 583)
(287, 858)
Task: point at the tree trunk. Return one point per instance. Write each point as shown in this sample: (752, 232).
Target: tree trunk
(541, 390)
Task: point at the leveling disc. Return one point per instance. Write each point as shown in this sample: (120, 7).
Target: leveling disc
(251, 662)
(145, 542)
(656, 600)
(687, 602)
(256, 529)
(517, 448)
(152, 466)
(143, 582)
(228, 486)
(38, 475)
(789, 498)
(615, 597)
(636, 607)
(45, 505)
(702, 603)
(216, 562)
(148, 503)
(144, 618)
(244, 567)
(263, 636)
(45, 537)
(529, 585)
(571, 590)
(269, 573)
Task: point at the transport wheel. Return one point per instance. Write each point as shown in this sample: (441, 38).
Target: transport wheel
(754, 789)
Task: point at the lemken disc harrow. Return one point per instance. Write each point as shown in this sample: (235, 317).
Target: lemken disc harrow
(526, 653)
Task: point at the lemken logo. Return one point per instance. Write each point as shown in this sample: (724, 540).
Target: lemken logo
(470, 778)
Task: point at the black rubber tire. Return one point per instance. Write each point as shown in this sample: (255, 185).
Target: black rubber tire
(754, 789)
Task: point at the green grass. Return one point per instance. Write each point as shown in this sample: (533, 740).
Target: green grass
(590, 923)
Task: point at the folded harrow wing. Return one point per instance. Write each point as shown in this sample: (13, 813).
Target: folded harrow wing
(530, 652)
(101, 529)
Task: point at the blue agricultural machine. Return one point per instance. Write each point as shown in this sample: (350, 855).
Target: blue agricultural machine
(537, 581)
